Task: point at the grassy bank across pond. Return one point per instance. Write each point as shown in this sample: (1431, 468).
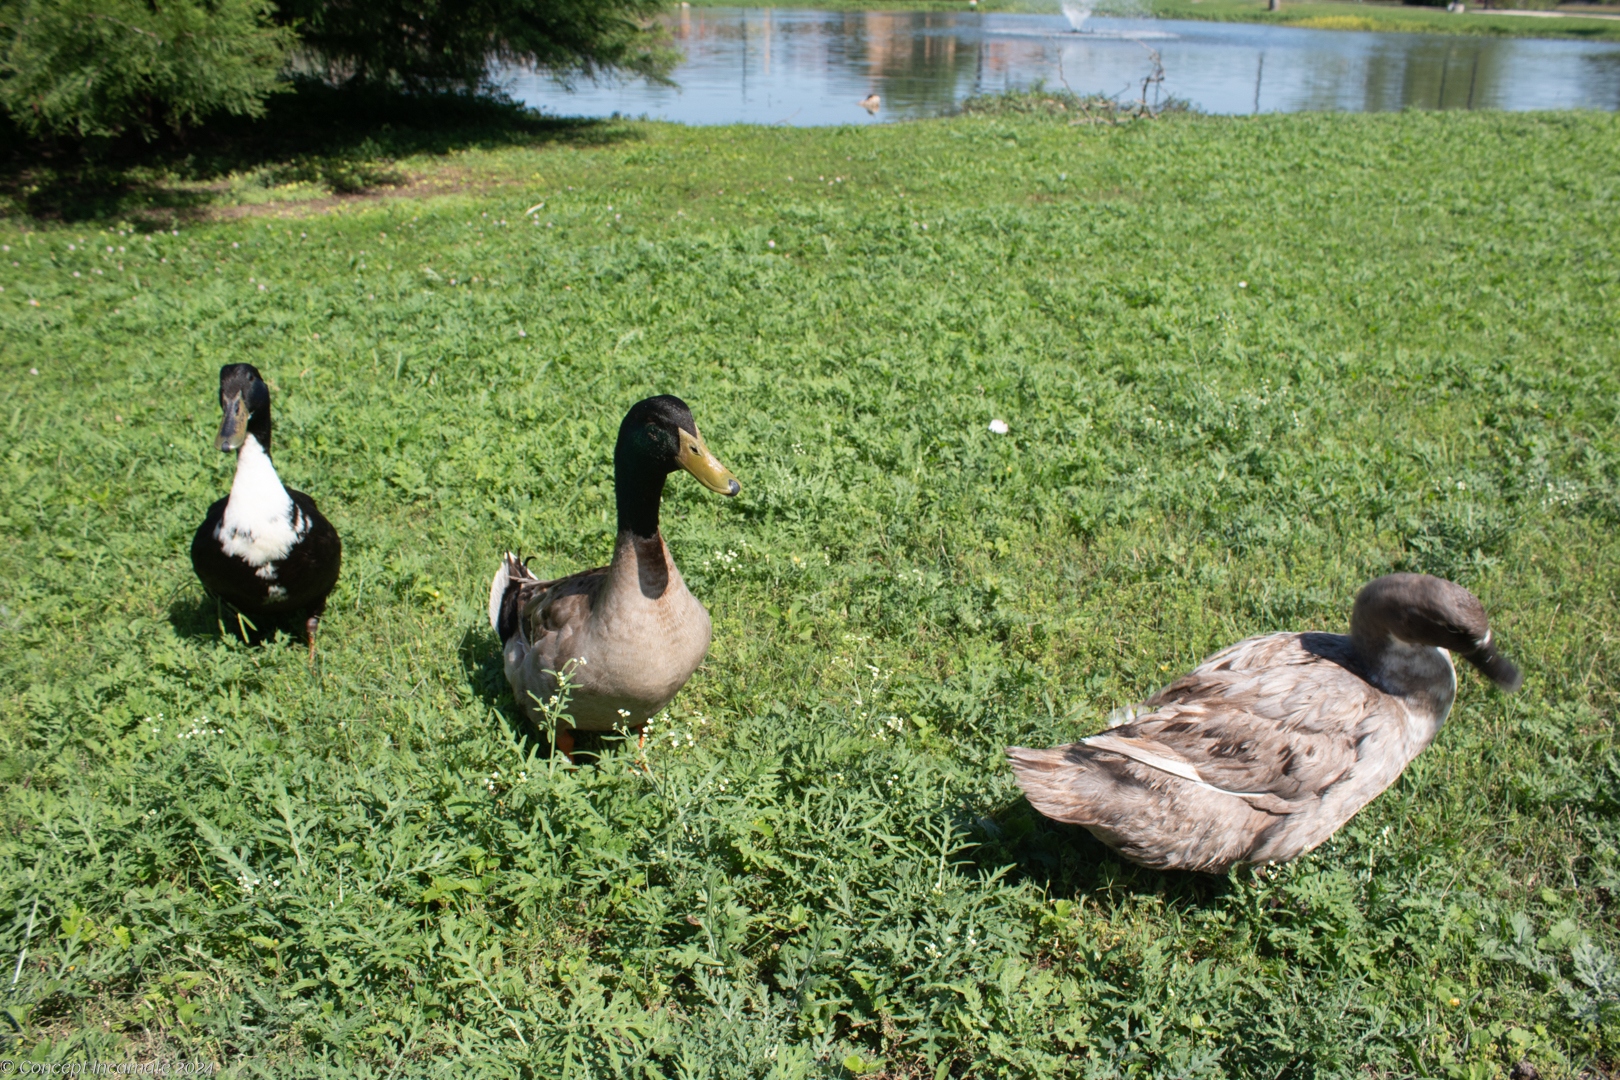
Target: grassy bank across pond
(1245, 365)
(1396, 18)
(1308, 14)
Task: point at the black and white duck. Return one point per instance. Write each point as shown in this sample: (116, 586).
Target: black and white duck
(265, 549)
(629, 633)
(1267, 747)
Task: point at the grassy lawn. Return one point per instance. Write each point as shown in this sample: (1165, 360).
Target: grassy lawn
(1247, 365)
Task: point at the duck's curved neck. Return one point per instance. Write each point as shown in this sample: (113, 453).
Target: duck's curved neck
(259, 428)
(1422, 674)
(256, 485)
(638, 491)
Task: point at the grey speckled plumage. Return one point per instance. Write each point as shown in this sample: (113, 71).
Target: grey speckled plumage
(1266, 748)
(629, 634)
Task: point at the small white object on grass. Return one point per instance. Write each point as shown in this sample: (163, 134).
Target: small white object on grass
(1243, 284)
(999, 427)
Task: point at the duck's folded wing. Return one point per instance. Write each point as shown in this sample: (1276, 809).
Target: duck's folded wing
(1305, 658)
(1277, 734)
(552, 605)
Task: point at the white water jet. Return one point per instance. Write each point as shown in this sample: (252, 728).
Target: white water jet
(1077, 12)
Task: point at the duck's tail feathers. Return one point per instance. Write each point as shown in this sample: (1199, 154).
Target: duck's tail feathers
(505, 596)
(1055, 781)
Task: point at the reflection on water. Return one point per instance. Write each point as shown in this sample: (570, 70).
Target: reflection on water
(770, 65)
(1602, 70)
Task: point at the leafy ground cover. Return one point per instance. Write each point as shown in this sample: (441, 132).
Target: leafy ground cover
(1245, 365)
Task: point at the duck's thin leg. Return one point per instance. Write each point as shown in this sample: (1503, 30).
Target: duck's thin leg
(312, 624)
(641, 751)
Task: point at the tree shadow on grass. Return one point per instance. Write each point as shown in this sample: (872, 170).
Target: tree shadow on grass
(1066, 861)
(342, 138)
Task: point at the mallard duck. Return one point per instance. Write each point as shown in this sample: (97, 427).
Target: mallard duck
(265, 549)
(629, 634)
(1267, 747)
(871, 103)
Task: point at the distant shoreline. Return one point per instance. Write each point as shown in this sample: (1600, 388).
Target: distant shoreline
(1580, 24)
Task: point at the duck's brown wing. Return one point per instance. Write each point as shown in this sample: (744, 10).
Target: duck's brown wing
(519, 600)
(1276, 719)
(561, 602)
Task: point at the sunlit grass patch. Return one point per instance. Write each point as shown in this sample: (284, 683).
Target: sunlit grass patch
(1336, 22)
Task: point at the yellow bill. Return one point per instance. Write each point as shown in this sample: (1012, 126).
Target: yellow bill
(695, 458)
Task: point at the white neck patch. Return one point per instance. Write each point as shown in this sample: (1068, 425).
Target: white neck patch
(261, 524)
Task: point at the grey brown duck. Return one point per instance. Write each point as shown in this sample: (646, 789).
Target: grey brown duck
(1266, 748)
(630, 633)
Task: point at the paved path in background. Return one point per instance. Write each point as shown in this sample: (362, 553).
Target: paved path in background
(1544, 14)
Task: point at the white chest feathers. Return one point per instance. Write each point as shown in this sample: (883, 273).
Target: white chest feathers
(261, 523)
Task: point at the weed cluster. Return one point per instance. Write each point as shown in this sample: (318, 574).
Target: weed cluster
(1042, 101)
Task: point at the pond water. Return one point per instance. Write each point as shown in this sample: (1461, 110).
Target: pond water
(790, 66)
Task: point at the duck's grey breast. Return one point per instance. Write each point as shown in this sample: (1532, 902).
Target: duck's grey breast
(637, 656)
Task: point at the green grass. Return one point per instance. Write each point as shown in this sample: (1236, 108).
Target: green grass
(1247, 364)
